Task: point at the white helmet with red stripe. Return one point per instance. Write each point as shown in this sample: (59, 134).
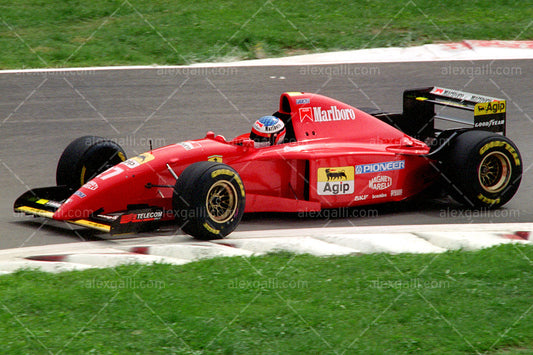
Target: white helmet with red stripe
(267, 131)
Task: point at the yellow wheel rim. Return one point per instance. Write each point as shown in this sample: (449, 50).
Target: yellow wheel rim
(494, 172)
(221, 201)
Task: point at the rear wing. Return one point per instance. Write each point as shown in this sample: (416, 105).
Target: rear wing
(419, 110)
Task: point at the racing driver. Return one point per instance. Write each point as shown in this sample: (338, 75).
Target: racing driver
(268, 131)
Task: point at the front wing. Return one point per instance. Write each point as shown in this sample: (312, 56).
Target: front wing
(44, 202)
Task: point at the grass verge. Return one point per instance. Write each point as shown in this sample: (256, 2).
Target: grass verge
(58, 33)
(457, 302)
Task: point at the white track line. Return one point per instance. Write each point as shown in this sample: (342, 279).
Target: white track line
(178, 250)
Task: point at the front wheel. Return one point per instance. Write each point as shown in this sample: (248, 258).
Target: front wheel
(86, 157)
(209, 200)
(485, 169)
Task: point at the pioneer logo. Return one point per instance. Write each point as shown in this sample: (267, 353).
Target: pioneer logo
(379, 167)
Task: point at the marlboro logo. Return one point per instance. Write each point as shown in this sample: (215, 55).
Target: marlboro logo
(318, 114)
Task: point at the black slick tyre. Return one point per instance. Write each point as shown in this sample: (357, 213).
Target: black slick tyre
(484, 169)
(86, 157)
(209, 200)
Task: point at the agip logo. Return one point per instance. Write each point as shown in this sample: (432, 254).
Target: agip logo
(335, 180)
(139, 160)
(487, 108)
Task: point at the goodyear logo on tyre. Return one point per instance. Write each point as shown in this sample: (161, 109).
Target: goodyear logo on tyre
(335, 180)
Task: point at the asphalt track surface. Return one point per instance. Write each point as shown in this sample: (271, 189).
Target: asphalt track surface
(40, 113)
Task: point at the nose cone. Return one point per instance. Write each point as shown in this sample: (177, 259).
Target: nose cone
(106, 193)
(77, 206)
(115, 189)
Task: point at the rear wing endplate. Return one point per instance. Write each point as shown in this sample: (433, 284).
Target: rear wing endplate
(489, 113)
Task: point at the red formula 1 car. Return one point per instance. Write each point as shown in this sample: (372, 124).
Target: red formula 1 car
(333, 155)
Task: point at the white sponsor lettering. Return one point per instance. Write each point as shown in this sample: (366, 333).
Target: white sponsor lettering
(108, 218)
(360, 198)
(91, 185)
(188, 145)
(398, 192)
(318, 114)
(335, 188)
(380, 182)
(149, 215)
(53, 204)
(303, 101)
(333, 114)
(490, 123)
(379, 167)
(460, 95)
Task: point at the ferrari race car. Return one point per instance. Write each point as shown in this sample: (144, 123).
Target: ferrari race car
(333, 156)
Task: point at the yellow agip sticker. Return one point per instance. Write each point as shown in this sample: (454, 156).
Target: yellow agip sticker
(139, 160)
(336, 180)
(490, 108)
(215, 158)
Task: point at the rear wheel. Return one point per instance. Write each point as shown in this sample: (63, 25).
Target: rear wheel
(86, 157)
(485, 169)
(209, 200)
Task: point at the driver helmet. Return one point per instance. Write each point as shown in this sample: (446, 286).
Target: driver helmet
(267, 131)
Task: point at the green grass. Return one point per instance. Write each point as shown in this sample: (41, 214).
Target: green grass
(453, 303)
(59, 33)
